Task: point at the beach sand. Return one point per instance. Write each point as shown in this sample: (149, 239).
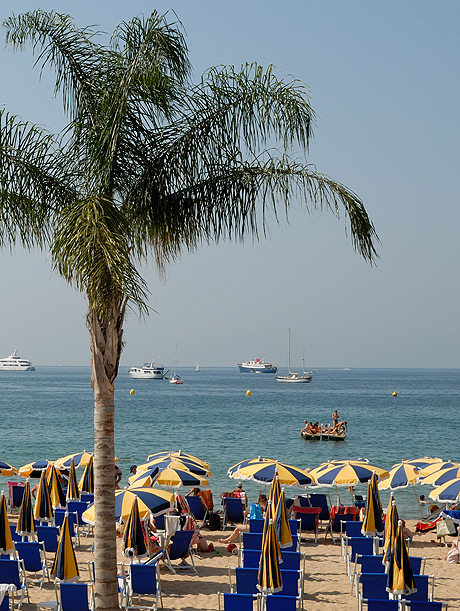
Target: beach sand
(326, 582)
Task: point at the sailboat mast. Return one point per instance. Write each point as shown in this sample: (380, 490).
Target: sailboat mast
(289, 349)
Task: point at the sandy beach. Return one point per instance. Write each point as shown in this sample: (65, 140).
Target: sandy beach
(326, 583)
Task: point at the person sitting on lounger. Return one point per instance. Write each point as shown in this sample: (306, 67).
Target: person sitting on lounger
(241, 528)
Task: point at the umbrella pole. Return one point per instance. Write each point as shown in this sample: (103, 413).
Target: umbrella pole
(418, 502)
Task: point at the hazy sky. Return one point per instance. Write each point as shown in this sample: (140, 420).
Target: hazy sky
(384, 81)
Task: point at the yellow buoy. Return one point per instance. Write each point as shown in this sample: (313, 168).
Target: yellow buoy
(131, 392)
(248, 393)
(395, 394)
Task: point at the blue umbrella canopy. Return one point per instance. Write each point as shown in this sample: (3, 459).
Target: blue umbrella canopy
(26, 524)
(373, 523)
(174, 463)
(65, 565)
(87, 479)
(144, 478)
(6, 541)
(55, 489)
(264, 473)
(400, 578)
(179, 454)
(348, 473)
(73, 492)
(43, 508)
(7, 469)
(400, 475)
(448, 492)
(133, 538)
(441, 477)
(269, 575)
(80, 459)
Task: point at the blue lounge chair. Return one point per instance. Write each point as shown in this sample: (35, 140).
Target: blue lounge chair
(425, 605)
(280, 603)
(291, 560)
(309, 519)
(374, 586)
(197, 508)
(12, 571)
(74, 596)
(32, 553)
(236, 602)
(257, 526)
(352, 529)
(335, 525)
(73, 523)
(14, 534)
(373, 604)
(365, 546)
(425, 588)
(141, 581)
(179, 548)
(85, 497)
(233, 511)
(5, 606)
(49, 535)
(254, 541)
(318, 500)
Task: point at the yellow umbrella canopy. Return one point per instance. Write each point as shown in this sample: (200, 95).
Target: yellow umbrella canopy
(73, 493)
(175, 478)
(175, 463)
(65, 565)
(133, 538)
(269, 576)
(373, 523)
(400, 475)
(448, 492)
(439, 466)
(7, 469)
(441, 477)
(56, 493)
(400, 578)
(420, 463)
(349, 473)
(265, 471)
(6, 540)
(179, 454)
(144, 478)
(43, 508)
(80, 459)
(26, 524)
(34, 469)
(86, 483)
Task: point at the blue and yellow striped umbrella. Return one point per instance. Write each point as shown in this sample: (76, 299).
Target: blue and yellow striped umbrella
(25, 525)
(264, 473)
(349, 473)
(269, 575)
(43, 510)
(7, 469)
(65, 565)
(73, 493)
(400, 476)
(150, 500)
(400, 577)
(373, 523)
(174, 463)
(234, 470)
(80, 459)
(448, 492)
(175, 478)
(391, 526)
(438, 478)
(6, 540)
(87, 479)
(180, 455)
(144, 478)
(133, 538)
(34, 469)
(429, 469)
(282, 527)
(57, 495)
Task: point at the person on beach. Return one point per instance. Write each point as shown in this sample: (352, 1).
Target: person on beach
(118, 475)
(239, 493)
(133, 469)
(241, 528)
(335, 419)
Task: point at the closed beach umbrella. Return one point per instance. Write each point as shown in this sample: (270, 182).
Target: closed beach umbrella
(429, 469)
(87, 479)
(7, 469)
(441, 477)
(179, 454)
(65, 565)
(269, 575)
(373, 523)
(448, 492)
(282, 527)
(73, 493)
(400, 578)
(80, 459)
(150, 500)
(347, 474)
(391, 526)
(174, 463)
(6, 541)
(56, 493)
(175, 478)
(133, 538)
(144, 478)
(43, 508)
(26, 524)
(34, 469)
(264, 473)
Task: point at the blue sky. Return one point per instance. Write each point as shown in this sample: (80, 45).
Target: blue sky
(384, 83)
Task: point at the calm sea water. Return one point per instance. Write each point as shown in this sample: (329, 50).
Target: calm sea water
(48, 414)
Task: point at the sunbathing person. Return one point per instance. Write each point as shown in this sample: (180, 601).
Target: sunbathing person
(241, 528)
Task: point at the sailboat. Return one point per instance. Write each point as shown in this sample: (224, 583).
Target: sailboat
(292, 376)
(197, 367)
(175, 378)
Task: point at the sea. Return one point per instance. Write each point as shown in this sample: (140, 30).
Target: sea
(48, 414)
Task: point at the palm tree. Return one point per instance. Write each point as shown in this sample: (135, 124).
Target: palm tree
(148, 166)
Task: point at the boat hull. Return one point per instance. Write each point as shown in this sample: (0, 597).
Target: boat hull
(257, 369)
(148, 372)
(321, 437)
(294, 379)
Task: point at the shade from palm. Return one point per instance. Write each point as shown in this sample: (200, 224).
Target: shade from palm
(148, 165)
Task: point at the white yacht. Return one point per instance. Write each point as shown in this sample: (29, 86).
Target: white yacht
(15, 363)
(149, 371)
(293, 377)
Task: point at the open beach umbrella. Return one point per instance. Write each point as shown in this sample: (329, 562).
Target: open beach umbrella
(179, 454)
(43, 510)
(57, 495)
(448, 492)
(441, 477)
(150, 500)
(326, 465)
(401, 476)
(80, 459)
(6, 540)
(264, 473)
(174, 463)
(175, 478)
(233, 471)
(400, 578)
(269, 575)
(65, 565)
(144, 478)
(391, 526)
(282, 527)
(133, 537)
(7, 469)
(349, 473)
(73, 493)
(373, 523)
(86, 483)
(420, 463)
(441, 466)
(25, 525)
(34, 469)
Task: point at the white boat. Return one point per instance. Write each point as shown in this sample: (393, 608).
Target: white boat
(197, 366)
(15, 363)
(175, 378)
(293, 377)
(149, 371)
(257, 366)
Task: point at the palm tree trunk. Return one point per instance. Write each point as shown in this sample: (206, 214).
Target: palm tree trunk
(106, 347)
